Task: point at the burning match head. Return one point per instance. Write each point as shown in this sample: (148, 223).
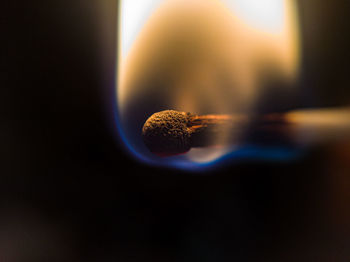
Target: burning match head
(167, 133)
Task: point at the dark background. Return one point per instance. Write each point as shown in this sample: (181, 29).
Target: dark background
(69, 191)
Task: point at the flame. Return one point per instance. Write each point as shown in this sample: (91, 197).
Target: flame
(201, 56)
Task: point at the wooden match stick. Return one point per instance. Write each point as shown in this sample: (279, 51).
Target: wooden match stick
(172, 132)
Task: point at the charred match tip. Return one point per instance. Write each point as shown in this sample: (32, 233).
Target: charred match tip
(167, 132)
(171, 132)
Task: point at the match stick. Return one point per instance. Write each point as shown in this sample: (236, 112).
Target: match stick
(171, 132)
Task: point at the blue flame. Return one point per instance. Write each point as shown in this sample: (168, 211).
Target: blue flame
(247, 152)
(244, 153)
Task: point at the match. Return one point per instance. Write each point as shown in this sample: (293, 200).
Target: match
(171, 132)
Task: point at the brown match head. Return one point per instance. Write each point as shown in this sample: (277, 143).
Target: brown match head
(166, 133)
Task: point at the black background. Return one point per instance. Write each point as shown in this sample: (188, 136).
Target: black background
(69, 190)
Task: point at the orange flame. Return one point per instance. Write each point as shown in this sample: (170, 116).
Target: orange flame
(204, 56)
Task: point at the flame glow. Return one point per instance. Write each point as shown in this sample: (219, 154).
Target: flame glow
(137, 13)
(267, 15)
(201, 56)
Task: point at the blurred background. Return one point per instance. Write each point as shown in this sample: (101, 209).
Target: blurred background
(70, 191)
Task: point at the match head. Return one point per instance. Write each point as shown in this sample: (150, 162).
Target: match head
(167, 132)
